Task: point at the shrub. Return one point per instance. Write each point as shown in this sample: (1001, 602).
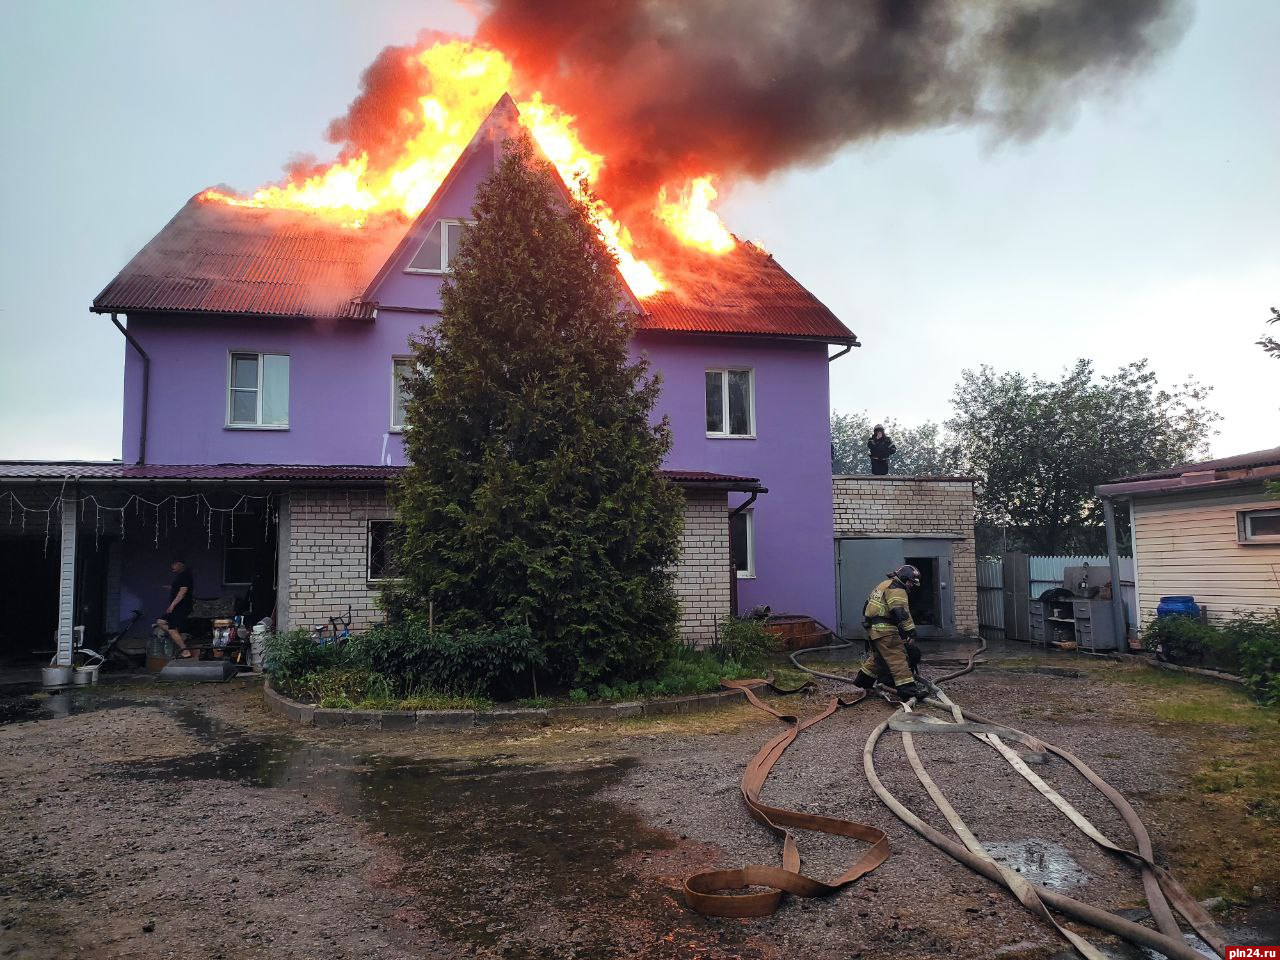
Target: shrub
(1185, 640)
(294, 655)
(497, 663)
(350, 683)
(1255, 642)
(745, 641)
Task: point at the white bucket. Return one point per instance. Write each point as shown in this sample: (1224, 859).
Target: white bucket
(55, 676)
(84, 675)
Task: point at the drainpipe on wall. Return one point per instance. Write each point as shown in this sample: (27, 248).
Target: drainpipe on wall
(847, 348)
(146, 388)
(733, 571)
(1117, 590)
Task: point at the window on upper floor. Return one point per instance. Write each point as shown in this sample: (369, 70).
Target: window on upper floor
(400, 367)
(731, 403)
(1258, 526)
(742, 543)
(258, 391)
(439, 248)
(382, 563)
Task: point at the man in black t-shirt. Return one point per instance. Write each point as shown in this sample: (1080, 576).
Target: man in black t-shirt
(181, 598)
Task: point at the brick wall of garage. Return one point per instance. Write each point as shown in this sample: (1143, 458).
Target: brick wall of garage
(891, 506)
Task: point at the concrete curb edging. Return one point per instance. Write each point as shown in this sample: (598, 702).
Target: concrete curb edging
(312, 716)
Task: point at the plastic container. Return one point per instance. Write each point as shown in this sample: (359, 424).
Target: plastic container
(1177, 607)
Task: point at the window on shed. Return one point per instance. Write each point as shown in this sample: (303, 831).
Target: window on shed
(382, 551)
(1258, 526)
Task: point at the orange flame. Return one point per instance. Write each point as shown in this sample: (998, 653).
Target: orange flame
(465, 80)
(691, 218)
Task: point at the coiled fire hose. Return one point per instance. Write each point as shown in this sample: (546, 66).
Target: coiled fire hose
(706, 892)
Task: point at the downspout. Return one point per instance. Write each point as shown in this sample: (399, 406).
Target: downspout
(146, 388)
(733, 571)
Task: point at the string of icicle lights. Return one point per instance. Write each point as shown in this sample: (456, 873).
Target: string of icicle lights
(165, 513)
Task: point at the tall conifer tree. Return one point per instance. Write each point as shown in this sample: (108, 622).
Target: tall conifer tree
(533, 491)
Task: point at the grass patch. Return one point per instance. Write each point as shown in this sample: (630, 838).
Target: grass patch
(1225, 837)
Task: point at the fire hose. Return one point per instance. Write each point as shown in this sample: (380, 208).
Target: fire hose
(707, 892)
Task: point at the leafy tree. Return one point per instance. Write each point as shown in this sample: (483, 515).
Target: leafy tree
(922, 451)
(1270, 344)
(1039, 447)
(532, 493)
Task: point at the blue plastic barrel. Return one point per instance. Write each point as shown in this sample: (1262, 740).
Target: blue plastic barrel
(1177, 607)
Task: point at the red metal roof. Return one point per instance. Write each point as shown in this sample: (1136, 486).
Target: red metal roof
(114, 470)
(216, 258)
(744, 291)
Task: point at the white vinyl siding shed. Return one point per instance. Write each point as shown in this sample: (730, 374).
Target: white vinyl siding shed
(1190, 544)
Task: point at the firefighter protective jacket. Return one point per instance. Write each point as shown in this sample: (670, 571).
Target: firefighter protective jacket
(887, 612)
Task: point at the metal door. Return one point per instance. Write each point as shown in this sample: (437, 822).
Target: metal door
(932, 603)
(860, 565)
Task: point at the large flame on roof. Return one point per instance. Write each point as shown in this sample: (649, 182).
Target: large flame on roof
(465, 80)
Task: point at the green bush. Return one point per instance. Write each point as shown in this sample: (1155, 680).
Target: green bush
(1255, 641)
(745, 641)
(1187, 641)
(496, 663)
(1247, 645)
(294, 655)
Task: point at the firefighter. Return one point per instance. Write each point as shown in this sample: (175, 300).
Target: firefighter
(891, 634)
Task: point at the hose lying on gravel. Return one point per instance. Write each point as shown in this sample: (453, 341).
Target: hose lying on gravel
(1159, 885)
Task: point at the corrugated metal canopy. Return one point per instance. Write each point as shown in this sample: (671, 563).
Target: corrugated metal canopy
(113, 470)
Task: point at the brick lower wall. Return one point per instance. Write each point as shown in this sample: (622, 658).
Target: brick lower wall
(326, 565)
(702, 576)
(867, 506)
(327, 560)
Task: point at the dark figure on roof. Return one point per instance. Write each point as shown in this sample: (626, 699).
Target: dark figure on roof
(880, 447)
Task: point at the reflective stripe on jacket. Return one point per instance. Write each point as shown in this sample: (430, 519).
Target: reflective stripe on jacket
(886, 598)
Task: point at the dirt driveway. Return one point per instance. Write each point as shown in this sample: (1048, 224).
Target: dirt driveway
(186, 822)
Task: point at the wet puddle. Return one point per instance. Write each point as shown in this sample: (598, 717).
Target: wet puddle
(1043, 863)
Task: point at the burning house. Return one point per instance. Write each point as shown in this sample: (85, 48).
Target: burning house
(267, 332)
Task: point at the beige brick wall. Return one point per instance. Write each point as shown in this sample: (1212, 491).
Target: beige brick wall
(327, 562)
(325, 568)
(868, 506)
(702, 576)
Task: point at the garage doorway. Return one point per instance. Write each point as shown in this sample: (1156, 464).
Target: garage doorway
(862, 563)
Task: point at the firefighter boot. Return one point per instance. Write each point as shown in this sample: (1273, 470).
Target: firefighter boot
(912, 689)
(864, 680)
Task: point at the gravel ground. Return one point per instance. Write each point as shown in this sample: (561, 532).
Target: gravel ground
(198, 825)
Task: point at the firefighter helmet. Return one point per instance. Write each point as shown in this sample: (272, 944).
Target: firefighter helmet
(907, 575)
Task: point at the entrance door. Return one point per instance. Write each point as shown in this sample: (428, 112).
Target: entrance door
(860, 565)
(932, 606)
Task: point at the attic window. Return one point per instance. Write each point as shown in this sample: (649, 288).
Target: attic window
(439, 248)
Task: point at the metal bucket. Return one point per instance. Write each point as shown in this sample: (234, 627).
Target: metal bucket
(55, 676)
(85, 675)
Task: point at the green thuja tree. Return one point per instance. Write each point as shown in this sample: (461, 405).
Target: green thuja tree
(532, 492)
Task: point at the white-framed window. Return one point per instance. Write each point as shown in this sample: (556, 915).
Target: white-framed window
(400, 367)
(237, 565)
(1258, 526)
(439, 248)
(381, 563)
(742, 542)
(258, 391)
(731, 402)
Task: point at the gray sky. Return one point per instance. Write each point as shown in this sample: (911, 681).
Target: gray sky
(1145, 226)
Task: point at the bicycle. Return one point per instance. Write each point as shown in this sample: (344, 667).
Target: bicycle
(337, 631)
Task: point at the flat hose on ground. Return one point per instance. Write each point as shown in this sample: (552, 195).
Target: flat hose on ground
(1157, 882)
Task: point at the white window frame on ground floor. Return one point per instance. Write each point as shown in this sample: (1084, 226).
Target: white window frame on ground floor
(749, 519)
